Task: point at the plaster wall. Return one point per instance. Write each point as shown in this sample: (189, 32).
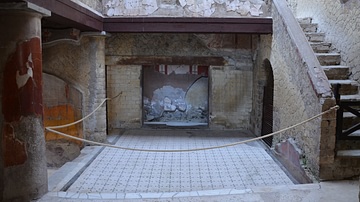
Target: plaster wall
(81, 64)
(186, 8)
(228, 108)
(341, 24)
(62, 105)
(22, 145)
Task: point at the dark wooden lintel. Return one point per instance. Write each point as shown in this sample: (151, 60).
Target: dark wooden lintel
(167, 60)
(70, 15)
(189, 25)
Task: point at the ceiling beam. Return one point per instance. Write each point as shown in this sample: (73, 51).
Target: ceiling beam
(188, 25)
(70, 15)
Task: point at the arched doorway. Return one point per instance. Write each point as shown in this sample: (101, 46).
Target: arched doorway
(268, 100)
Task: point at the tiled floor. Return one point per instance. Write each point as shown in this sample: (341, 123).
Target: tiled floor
(122, 171)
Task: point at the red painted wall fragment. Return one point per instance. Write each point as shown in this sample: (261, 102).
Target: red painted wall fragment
(22, 83)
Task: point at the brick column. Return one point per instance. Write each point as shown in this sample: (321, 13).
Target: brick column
(95, 126)
(22, 139)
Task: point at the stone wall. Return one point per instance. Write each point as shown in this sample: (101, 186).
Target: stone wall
(263, 52)
(228, 108)
(124, 111)
(186, 8)
(296, 96)
(62, 105)
(341, 23)
(82, 65)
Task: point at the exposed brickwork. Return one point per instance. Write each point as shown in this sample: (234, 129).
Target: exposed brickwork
(231, 85)
(295, 97)
(231, 99)
(82, 64)
(124, 111)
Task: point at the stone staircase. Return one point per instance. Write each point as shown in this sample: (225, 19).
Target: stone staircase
(330, 61)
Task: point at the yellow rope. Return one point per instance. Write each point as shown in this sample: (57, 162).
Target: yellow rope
(175, 150)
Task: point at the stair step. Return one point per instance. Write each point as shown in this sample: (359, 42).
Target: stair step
(315, 37)
(348, 115)
(328, 59)
(309, 27)
(304, 20)
(320, 47)
(348, 87)
(350, 97)
(349, 120)
(349, 153)
(355, 134)
(336, 72)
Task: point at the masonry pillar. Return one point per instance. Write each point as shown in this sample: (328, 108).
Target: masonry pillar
(23, 166)
(95, 126)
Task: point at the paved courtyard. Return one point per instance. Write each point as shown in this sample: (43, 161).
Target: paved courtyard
(120, 174)
(124, 171)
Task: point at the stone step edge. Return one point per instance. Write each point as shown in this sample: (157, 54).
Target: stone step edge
(335, 67)
(343, 82)
(201, 193)
(354, 98)
(327, 54)
(348, 153)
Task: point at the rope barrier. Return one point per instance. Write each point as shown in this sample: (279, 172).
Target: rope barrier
(50, 128)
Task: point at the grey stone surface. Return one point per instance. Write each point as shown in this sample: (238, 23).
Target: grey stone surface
(268, 192)
(58, 152)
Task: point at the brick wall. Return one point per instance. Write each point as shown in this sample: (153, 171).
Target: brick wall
(296, 95)
(231, 99)
(81, 64)
(230, 84)
(124, 111)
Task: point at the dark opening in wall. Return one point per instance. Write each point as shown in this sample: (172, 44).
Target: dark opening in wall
(175, 95)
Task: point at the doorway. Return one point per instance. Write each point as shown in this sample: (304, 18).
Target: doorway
(268, 101)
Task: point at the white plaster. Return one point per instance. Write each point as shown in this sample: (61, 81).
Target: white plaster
(255, 10)
(244, 9)
(204, 8)
(21, 80)
(132, 4)
(220, 1)
(150, 6)
(110, 12)
(232, 5)
(182, 3)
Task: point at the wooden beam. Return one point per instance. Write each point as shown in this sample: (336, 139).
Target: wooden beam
(168, 60)
(189, 25)
(70, 15)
